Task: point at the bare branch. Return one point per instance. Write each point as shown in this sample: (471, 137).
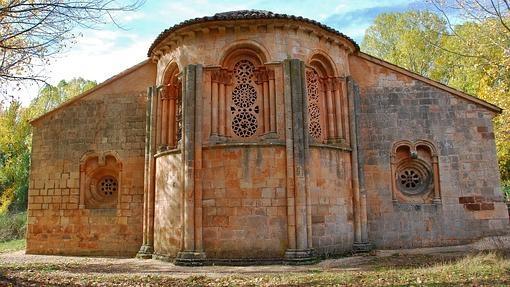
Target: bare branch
(32, 31)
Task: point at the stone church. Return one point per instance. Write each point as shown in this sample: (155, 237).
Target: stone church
(256, 137)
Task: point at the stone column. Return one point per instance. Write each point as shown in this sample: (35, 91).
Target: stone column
(147, 247)
(437, 190)
(300, 249)
(330, 106)
(337, 86)
(361, 243)
(172, 97)
(272, 101)
(191, 252)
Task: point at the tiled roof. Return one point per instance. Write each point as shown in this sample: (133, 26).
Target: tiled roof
(243, 15)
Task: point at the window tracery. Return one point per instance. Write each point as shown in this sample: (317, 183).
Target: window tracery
(244, 97)
(415, 171)
(314, 112)
(99, 180)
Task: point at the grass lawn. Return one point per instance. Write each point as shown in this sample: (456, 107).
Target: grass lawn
(12, 245)
(481, 269)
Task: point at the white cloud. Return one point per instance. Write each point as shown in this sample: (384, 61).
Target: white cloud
(99, 55)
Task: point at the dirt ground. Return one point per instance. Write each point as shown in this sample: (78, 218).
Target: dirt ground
(19, 269)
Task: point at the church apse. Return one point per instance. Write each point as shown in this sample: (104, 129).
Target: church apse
(254, 137)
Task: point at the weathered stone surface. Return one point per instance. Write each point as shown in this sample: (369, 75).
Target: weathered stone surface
(267, 142)
(396, 106)
(111, 118)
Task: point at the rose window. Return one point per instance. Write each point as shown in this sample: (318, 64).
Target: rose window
(413, 176)
(244, 98)
(107, 186)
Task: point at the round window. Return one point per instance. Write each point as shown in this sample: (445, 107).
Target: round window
(107, 186)
(413, 177)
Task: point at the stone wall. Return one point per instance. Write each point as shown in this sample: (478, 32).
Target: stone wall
(396, 106)
(244, 202)
(329, 184)
(110, 119)
(168, 205)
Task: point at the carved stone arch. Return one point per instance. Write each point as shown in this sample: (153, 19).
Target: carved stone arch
(87, 155)
(401, 143)
(171, 73)
(325, 93)
(427, 144)
(415, 172)
(242, 96)
(100, 179)
(244, 48)
(323, 64)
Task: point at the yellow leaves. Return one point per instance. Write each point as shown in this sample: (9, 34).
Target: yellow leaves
(6, 198)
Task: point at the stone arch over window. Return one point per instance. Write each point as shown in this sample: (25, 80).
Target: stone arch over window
(326, 100)
(169, 119)
(100, 180)
(415, 172)
(243, 102)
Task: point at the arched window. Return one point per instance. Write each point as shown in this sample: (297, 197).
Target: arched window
(100, 183)
(243, 100)
(326, 100)
(169, 124)
(415, 172)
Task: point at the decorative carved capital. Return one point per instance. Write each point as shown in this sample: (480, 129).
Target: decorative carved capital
(328, 84)
(261, 75)
(337, 83)
(271, 74)
(225, 77)
(216, 75)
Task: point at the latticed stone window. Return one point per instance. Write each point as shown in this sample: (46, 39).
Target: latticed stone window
(413, 176)
(179, 117)
(244, 100)
(415, 172)
(99, 181)
(108, 186)
(314, 110)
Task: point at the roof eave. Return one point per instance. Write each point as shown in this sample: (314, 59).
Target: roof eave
(468, 97)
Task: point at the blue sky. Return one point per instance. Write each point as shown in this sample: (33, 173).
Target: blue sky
(101, 53)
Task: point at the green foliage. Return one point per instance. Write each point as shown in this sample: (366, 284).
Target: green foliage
(399, 38)
(52, 96)
(13, 226)
(14, 157)
(13, 245)
(472, 57)
(506, 189)
(15, 140)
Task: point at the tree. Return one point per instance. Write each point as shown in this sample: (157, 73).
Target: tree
(398, 38)
(31, 31)
(15, 139)
(51, 96)
(14, 157)
(464, 56)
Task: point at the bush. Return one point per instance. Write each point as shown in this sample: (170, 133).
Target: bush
(13, 226)
(505, 186)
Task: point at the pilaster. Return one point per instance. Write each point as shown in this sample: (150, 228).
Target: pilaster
(147, 247)
(191, 251)
(300, 250)
(361, 243)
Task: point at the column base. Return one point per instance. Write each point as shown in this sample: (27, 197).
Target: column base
(300, 256)
(145, 252)
(190, 258)
(361, 247)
